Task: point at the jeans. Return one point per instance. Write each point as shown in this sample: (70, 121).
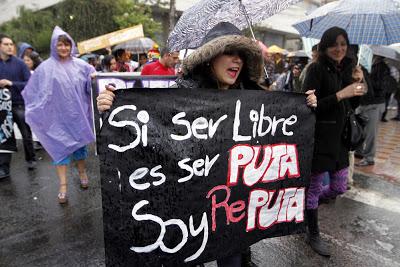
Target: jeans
(19, 118)
(232, 261)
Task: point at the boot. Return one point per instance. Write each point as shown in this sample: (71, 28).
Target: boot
(246, 259)
(313, 237)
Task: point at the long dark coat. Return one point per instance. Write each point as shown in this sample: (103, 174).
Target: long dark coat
(330, 152)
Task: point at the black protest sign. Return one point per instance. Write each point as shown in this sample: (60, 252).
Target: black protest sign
(7, 139)
(189, 176)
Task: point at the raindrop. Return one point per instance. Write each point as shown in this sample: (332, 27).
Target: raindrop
(34, 198)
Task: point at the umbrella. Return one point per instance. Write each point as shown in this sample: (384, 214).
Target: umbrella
(136, 46)
(274, 49)
(366, 22)
(299, 53)
(385, 51)
(201, 17)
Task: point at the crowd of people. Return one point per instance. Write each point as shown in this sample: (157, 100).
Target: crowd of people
(52, 99)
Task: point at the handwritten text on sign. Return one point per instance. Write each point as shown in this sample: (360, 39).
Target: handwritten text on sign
(250, 158)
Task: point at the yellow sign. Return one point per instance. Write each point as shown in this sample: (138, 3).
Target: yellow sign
(110, 39)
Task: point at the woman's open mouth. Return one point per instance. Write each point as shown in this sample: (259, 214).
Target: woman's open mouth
(233, 72)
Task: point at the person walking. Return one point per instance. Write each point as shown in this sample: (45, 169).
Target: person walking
(14, 75)
(332, 77)
(372, 106)
(58, 108)
(226, 60)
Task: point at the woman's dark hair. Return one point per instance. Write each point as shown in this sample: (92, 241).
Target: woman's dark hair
(329, 37)
(64, 39)
(118, 53)
(34, 56)
(106, 63)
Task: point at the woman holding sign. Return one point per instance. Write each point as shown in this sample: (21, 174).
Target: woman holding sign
(58, 108)
(336, 82)
(225, 60)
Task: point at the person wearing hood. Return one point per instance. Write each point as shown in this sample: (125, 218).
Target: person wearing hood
(58, 108)
(225, 60)
(24, 49)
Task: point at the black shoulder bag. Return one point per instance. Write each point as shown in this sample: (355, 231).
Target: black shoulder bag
(354, 129)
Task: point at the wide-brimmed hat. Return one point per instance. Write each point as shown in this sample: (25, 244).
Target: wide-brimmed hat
(226, 37)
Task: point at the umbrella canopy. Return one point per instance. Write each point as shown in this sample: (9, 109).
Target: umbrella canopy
(201, 17)
(385, 51)
(299, 53)
(136, 46)
(366, 21)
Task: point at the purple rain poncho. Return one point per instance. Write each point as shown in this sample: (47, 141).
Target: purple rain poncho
(58, 102)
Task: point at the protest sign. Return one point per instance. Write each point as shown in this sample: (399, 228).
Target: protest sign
(7, 139)
(189, 176)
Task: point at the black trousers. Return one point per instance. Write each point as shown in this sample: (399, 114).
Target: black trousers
(19, 118)
(5, 159)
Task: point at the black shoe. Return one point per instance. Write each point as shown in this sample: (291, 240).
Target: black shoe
(313, 237)
(384, 120)
(396, 119)
(31, 165)
(37, 146)
(4, 174)
(358, 155)
(364, 163)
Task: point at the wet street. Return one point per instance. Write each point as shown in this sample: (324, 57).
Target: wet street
(362, 227)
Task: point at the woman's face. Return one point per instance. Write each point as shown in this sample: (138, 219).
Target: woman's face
(113, 65)
(63, 50)
(338, 51)
(226, 69)
(28, 62)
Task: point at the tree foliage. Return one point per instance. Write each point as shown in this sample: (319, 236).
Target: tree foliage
(34, 28)
(130, 13)
(82, 19)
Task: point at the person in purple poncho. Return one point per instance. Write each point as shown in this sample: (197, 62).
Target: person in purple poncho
(58, 108)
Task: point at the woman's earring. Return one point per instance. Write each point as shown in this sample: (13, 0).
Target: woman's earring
(208, 64)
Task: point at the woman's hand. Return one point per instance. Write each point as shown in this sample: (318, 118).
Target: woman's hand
(311, 99)
(105, 99)
(358, 75)
(354, 89)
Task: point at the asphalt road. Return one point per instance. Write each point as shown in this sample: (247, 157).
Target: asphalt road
(362, 227)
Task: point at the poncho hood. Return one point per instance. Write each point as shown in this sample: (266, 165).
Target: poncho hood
(57, 32)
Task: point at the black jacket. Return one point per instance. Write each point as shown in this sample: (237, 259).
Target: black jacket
(330, 152)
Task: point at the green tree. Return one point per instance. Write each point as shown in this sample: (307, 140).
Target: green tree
(84, 19)
(131, 13)
(34, 28)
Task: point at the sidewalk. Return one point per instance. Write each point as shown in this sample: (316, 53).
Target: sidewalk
(387, 159)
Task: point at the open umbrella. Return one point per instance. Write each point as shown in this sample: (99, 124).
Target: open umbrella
(299, 53)
(136, 46)
(200, 18)
(366, 21)
(385, 51)
(274, 49)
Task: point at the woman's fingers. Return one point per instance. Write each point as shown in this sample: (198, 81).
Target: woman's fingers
(110, 87)
(309, 92)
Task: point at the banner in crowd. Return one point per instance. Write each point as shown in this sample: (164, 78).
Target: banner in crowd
(190, 176)
(110, 39)
(7, 139)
